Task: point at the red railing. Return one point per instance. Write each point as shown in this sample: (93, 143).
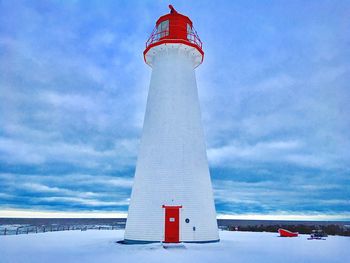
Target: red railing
(191, 37)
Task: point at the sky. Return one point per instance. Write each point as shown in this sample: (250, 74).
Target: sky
(273, 88)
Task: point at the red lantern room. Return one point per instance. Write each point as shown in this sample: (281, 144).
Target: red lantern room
(173, 28)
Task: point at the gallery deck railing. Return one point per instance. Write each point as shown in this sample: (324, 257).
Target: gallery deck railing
(190, 36)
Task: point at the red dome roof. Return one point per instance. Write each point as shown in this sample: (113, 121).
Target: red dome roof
(175, 17)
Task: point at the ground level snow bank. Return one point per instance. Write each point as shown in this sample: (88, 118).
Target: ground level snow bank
(101, 246)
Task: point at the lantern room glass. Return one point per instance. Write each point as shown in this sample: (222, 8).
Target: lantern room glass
(189, 33)
(163, 29)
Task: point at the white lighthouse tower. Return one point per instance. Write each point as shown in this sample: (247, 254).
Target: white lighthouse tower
(172, 199)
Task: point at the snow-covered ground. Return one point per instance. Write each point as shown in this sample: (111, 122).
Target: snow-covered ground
(101, 246)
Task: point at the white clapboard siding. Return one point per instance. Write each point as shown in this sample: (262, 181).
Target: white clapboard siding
(172, 166)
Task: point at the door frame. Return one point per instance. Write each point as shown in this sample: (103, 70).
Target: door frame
(166, 224)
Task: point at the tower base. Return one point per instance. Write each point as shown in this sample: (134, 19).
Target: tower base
(143, 242)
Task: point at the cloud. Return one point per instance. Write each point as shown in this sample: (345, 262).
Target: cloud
(266, 151)
(83, 201)
(274, 97)
(81, 154)
(270, 196)
(73, 191)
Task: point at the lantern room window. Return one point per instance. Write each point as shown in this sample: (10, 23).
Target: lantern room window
(189, 33)
(163, 29)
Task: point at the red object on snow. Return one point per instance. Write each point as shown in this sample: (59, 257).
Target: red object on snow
(287, 233)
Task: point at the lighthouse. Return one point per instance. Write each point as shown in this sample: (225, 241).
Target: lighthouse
(172, 198)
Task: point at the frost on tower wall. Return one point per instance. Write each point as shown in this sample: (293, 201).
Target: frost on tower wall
(172, 199)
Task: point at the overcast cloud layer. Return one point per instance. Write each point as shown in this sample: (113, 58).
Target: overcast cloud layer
(274, 92)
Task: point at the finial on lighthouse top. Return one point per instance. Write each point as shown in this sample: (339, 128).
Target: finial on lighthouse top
(172, 9)
(174, 28)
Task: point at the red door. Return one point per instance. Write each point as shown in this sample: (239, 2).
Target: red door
(172, 224)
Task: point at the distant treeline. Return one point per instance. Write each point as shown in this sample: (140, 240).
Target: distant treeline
(331, 229)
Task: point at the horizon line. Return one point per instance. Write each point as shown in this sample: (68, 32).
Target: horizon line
(16, 213)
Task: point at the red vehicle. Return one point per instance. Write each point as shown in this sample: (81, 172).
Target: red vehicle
(287, 233)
